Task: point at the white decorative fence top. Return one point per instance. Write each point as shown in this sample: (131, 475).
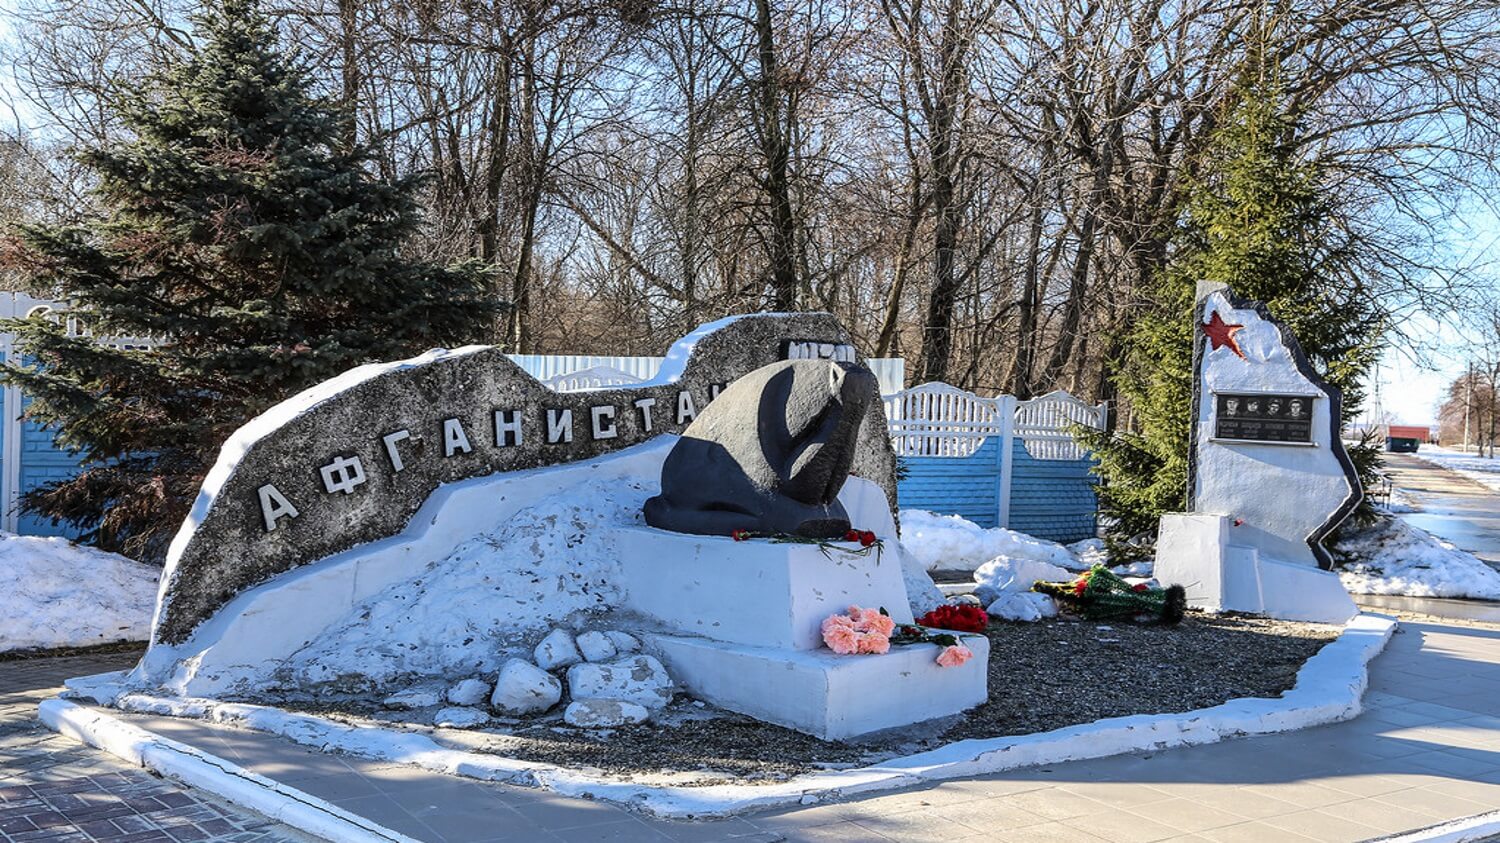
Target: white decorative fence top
(1045, 424)
(593, 377)
(939, 420)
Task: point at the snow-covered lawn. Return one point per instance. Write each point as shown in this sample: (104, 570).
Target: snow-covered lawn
(1479, 469)
(57, 594)
(1394, 557)
(954, 543)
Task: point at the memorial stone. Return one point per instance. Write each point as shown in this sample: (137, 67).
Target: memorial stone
(1269, 476)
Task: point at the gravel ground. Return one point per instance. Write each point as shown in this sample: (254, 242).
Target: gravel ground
(1043, 676)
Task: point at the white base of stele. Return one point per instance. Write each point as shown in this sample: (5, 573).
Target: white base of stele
(824, 694)
(745, 618)
(1194, 550)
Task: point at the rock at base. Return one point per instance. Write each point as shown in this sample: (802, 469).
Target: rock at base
(638, 679)
(557, 650)
(1022, 606)
(460, 717)
(596, 647)
(624, 642)
(413, 698)
(524, 688)
(604, 714)
(469, 692)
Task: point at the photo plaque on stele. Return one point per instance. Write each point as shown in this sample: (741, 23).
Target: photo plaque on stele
(1263, 418)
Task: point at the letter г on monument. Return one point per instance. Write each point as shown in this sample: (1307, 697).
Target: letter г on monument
(350, 461)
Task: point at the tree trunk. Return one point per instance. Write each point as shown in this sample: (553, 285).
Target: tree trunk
(937, 333)
(775, 145)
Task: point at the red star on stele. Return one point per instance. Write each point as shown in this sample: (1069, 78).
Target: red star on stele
(1221, 334)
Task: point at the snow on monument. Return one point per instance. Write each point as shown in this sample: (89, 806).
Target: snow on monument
(1269, 478)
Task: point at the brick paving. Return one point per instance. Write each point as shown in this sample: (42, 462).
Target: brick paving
(57, 790)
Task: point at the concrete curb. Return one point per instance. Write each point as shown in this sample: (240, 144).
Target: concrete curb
(199, 769)
(1465, 830)
(1328, 689)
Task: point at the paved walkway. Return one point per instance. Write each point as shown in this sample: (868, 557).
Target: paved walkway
(1426, 751)
(1454, 507)
(56, 790)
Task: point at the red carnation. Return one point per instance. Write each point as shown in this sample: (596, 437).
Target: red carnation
(1139, 587)
(740, 535)
(851, 536)
(867, 538)
(966, 618)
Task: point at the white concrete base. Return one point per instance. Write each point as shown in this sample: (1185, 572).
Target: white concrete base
(824, 694)
(1194, 550)
(756, 592)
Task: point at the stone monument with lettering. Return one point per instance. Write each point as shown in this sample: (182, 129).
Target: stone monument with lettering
(1269, 476)
(433, 516)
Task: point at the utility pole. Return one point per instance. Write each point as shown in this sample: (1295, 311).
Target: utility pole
(1468, 401)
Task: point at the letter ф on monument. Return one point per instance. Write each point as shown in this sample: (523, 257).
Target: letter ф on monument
(770, 454)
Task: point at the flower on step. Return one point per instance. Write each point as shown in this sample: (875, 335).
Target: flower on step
(740, 535)
(874, 620)
(851, 536)
(954, 655)
(840, 637)
(858, 631)
(965, 618)
(867, 538)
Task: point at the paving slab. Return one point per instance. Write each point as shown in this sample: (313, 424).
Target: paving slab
(55, 789)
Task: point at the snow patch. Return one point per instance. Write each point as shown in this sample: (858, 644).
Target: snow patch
(1393, 557)
(488, 600)
(54, 593)
(953, 543)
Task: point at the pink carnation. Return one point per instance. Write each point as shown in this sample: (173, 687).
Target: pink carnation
(954, 655)
(840, 638)
(832, 621)
(872, 621)
(874, 643)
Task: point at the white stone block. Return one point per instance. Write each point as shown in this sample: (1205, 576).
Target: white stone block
(468, 692)
(524, 688)
(826, 695)
(556, 650)
(624, 642)
(604, 714)
(1195, 551)
(638, 679)
(596, 647)
(756, 592)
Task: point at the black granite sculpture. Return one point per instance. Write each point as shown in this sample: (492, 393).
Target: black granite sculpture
(769, 454)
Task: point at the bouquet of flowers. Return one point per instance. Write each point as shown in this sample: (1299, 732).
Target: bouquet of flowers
(866, 539)
(1099, 593)
(966, 618)
(872, 632)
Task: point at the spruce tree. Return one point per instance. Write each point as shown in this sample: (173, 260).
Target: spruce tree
(240, 234)
(1258, 218)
